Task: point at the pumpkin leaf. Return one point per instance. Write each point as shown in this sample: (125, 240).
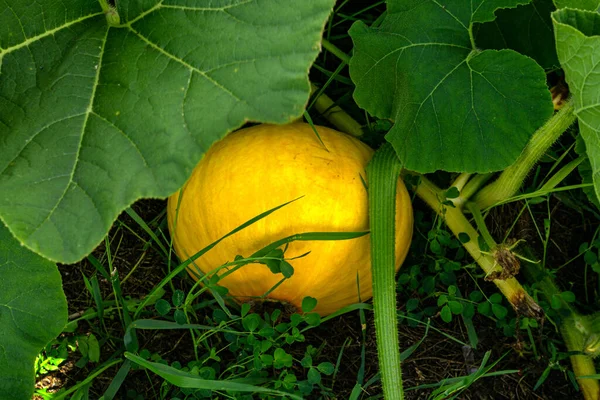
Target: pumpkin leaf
(26, 325)
(585, 171)
(455, 108)
(578, 45)
(95, 115)
(590, 5)
(526, 29)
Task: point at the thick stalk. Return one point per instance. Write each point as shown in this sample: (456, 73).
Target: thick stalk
(575, 329)
(582, 365)
(458, 223)
(461, 180)
(473, 186)
(334, 114)
(382, 174)
(511, 179)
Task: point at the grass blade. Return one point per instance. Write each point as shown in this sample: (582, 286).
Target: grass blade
(193, 258)
(186, 380)
(140, 221)
(117, 381)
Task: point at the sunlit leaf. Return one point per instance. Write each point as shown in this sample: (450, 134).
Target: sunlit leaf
(33, 311)
(95, 116)
(455, 107)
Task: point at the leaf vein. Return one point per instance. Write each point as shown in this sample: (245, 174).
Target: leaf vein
(189, 66)
(452, 15)
(42, 129)
(50, 32)
(206, 8)
(411, 46)
(133, 144)
(83, 127)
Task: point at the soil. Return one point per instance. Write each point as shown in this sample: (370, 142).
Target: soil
(437, 357)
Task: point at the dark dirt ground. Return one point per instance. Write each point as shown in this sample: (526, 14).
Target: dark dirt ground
(437, 358)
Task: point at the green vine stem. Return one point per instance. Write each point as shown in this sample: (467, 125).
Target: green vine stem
(480, 223)
(104, 5)
(111, 13)
(382, 175)
(472, 187)
(579, 332)
(461, 180)
(330, 47)
(458, 224)
(511, 179)
(334, 114)
(583, 365)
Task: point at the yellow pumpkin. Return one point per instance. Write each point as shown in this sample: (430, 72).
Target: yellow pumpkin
(255, 169)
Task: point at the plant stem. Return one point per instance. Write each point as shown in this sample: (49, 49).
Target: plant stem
(512, 177)
(461, 180)
(574, 328)
(480, 222)
(382, 174)
(104, 5)
(472, 37)
(458, 223)
(335, 50)
(582, 365)
(473, 186)
(334, 114)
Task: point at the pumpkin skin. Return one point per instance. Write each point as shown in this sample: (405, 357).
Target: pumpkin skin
(255, 169)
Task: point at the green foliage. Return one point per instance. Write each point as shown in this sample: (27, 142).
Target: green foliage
(591, 5)
(258, 344)
(556, 361)
(586, 173)
(526, 29)
(424, 54)
(26, 326)
(450, 305)
(577, 44)
(95, 116)
(432, 286)
(52, 356)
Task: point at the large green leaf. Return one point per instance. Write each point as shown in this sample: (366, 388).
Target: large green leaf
(455, 108)
(586, 173)
(93, 116)
(590, 5)
(578, 48)
(526, 29)
(33, 311)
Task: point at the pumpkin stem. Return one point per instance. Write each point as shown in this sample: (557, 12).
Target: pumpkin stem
(382, 175)
(579, 332)
(511, 179)
(460, 225)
